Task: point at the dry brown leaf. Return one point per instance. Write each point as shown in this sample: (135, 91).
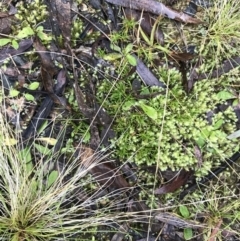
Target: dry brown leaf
(174, 185)
(48, 69)
(104, 172)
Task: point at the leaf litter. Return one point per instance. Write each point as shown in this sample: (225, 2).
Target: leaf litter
(55, 81)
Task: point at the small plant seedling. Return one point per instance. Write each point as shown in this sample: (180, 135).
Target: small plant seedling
(32, 86)
(121, 53)
(187, 232)
(24, 33)
(149, 111)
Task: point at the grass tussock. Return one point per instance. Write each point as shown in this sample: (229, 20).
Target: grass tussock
(222, 32)
(37, 203)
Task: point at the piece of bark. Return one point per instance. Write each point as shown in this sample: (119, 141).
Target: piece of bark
(48, 69)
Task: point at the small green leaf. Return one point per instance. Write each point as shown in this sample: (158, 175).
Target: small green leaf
(131, 60)
(128, 49)
(52, 178)
(25, 32)
(235, 102)
(225, 95)
(201, 142)
(188, 233)
(115, 48)
(87, 137)
(42, 149)
(15, 44)
(112, 56)
(4, 41)
(144, 91)
(144, 36)
(149, 111)
(205, 133)
(29, 167)
(29, 97)
(39, 28)
(13, 93)
(184, 211)
(25, 155)
(33, 86)
(43, 36)
(218, 124)
(33, 185)
(42, 127)
(128, 104)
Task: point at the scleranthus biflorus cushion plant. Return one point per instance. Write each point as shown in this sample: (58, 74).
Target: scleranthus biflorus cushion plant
(39, 203)
(175, 130)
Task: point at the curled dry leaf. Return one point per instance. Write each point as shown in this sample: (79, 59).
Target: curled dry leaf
(178, 181)
(156, 8)
(104, 172)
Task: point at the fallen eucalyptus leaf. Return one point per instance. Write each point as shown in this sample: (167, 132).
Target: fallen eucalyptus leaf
(175, 184)
(146, 75)
(157, 8)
